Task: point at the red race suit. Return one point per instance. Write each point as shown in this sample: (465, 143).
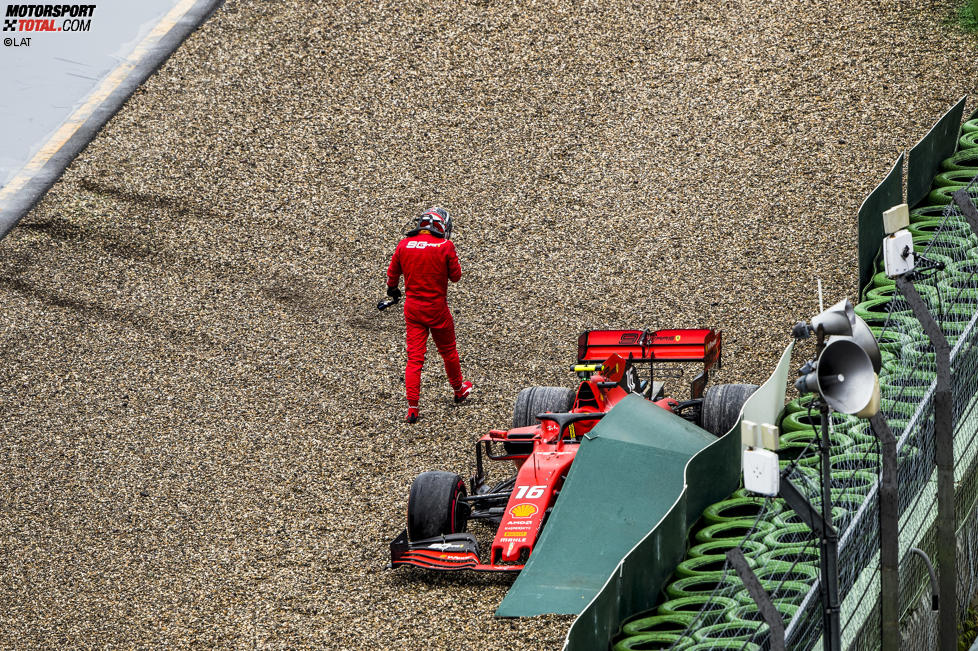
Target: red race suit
(428, 263)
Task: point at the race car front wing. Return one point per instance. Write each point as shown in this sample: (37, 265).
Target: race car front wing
(457, 551)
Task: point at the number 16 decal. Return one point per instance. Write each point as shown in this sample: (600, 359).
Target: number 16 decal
(529, 492)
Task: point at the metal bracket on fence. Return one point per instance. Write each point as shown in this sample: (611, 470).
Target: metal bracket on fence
(889, 517)
(763, 600)
(800, 504)
(947, 561)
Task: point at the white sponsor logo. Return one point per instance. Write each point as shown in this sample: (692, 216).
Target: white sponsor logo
(444, 547)
(423, 245)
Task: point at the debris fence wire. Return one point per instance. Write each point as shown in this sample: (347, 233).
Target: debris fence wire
(785, 553)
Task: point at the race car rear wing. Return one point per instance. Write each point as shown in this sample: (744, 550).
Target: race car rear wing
(650, 346)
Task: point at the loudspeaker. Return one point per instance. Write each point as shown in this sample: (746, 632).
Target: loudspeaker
(836, 320)
(863, 336)
(843, 376)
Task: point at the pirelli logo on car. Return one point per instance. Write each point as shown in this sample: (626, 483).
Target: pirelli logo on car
(48, 18)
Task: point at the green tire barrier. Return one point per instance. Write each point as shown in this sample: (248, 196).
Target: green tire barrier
(898, 409)
(942, 196)
(719, 645)
(898, 425)
(705, 566)
(738, 509)
(849, 502)
(970, 126)
(695, 586)
(750, 612)
(853, 481)
(960, 178)
(710, 608)
(785, 591)
(881, 281)
(967, 141)
(871, 448)
(927, 213)
(890, 292)
(799, 404)
(837, 439)
(956, 316)
(917, 352)
(901, 321)
(723, 545)
(806, 554)
(735, 530)
(787, 572)
(802, 476)
(789, 518)
(646, 623)
(653, 642)
(963, 160)
(861, 432)
(960, 290)
(874, 308)
(797, 451)
(731, 631)
(787, 536)
(968, 267)
(868, 461)
(911, 382)
(938, 229)
(908, 454)
(801, 421)
(949, 247)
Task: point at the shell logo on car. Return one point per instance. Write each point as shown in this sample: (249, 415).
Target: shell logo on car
(523, 510)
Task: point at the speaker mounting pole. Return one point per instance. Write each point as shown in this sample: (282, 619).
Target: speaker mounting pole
(819, 520)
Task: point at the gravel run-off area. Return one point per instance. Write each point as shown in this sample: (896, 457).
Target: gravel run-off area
(201, 407)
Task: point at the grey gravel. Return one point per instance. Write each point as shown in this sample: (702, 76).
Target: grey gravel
(201, 406)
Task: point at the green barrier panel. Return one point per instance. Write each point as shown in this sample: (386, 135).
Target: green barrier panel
(924, 160)
(634, 585)
(887, 194)
(626, 477)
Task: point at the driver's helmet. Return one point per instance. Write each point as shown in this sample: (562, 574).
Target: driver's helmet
(437, 221)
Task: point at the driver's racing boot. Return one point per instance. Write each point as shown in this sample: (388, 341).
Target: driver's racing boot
(412, 414)
(462, 391)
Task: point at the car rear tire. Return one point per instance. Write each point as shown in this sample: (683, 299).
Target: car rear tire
(436, 505)
(536, 400)
(722, 405)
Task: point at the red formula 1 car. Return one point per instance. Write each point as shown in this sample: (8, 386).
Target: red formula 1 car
(548, 424)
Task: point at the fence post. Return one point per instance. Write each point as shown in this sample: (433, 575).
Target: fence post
(763, 600)
(889, 517)
(947, 547)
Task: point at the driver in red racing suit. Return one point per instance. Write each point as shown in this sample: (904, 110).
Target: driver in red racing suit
(427, 258)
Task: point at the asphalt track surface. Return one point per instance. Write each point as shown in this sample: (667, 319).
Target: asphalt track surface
(201, 406)
(65, 83)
